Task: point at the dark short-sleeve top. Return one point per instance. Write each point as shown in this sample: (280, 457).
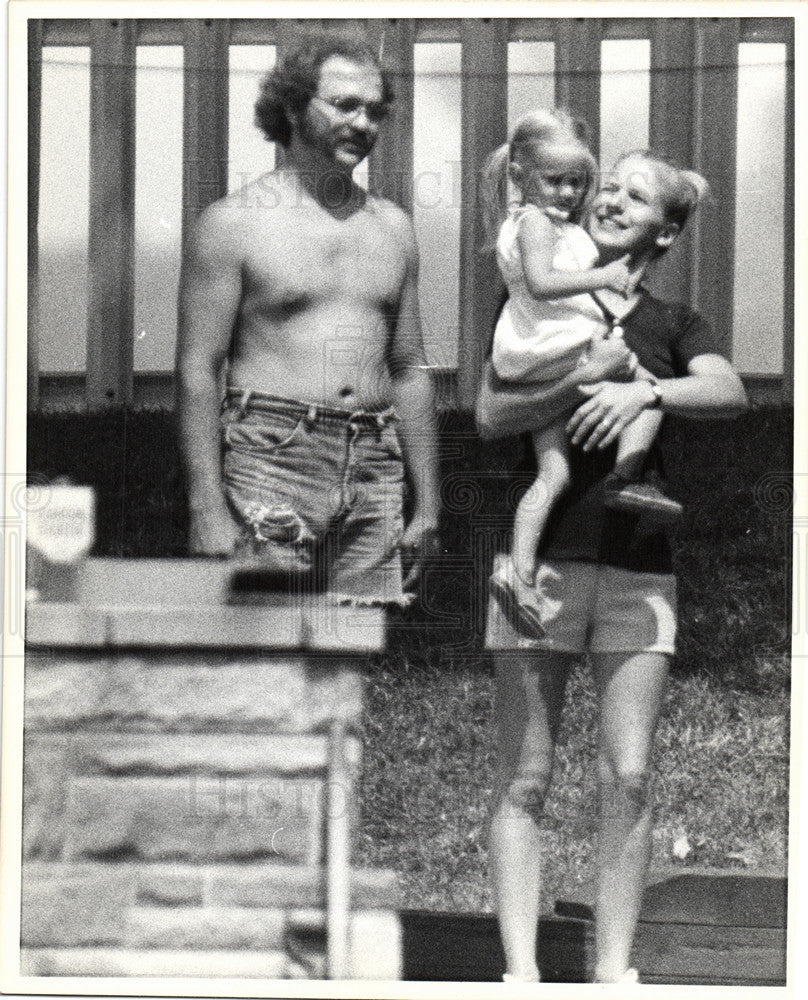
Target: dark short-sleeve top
(665, 338)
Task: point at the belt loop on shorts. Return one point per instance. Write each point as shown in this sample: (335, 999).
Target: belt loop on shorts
(244, 403)
(311, 416)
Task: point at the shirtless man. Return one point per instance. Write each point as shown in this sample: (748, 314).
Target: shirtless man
(306, 287)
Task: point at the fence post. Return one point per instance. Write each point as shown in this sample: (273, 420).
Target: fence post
(110, 348)
(34, 144)
(484, 105)
(789, 331)
(671, 134)
(205, 116)
(577, 71)
(715, 156)
(392, 157)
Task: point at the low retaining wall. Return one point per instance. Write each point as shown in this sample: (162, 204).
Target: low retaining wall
(190, 783)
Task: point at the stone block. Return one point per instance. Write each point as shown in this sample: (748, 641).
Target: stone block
(149, 754)
(64, 624)
(63, 688)
(169, 885)
(153, 962)
(115, 582)
(162, 819)
(75, 904)
(192, 691)
(205, 928)
(216, 627)
(45, 780)
(325, 628)
(274, 885)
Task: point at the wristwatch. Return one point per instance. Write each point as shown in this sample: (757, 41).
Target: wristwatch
(656, 389)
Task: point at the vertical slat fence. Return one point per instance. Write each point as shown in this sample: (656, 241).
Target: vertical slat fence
(693, 119)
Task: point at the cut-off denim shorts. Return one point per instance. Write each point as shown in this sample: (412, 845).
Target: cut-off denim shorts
(318, 490)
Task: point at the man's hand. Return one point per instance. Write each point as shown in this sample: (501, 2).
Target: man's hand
(610, 406)
(213, 532)
(418, 545)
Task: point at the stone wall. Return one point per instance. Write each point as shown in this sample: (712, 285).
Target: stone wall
(177, 803)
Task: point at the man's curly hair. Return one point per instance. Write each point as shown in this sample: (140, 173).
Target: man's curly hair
(293, 82)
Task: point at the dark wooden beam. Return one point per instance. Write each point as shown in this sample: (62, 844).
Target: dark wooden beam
(531, 29)
(65, 31)
(625, 28)
(767, 29)
(160, 31)
(715, 155)
(34, 145)
(577, 71)
(438, 29)
(112, 213)
(484, 101)
(205, 116)
(671, 135)
(789, 332)
(392, 159)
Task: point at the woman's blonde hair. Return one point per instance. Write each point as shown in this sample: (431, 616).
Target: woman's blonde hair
(682, 190)
(541, 126)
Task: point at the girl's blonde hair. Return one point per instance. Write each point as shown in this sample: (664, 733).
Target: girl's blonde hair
(534, 129)
(682, 190)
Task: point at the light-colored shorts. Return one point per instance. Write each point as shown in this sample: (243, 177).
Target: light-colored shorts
(590, 607)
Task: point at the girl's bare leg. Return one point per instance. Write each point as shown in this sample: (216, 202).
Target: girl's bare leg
(552, 457)
(631, 687)
(530, 693)
(635, 442)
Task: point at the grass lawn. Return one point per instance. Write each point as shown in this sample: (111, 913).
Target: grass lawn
(722, 781)
(722, 761)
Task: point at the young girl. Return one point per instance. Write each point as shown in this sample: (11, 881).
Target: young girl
(551, 317)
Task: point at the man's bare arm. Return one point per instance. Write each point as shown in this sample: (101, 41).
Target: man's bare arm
(210, 292)
(505, 408)
(414, 401)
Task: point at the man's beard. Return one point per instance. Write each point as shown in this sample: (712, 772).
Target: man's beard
(327, 142)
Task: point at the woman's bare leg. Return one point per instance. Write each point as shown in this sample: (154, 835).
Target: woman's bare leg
(530, 694)
(631, 687)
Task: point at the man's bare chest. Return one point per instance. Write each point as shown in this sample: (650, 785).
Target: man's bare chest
(355, 259)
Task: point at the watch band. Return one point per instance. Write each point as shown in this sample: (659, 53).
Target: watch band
(656, 389)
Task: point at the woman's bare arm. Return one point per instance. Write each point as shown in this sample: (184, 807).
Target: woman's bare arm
(710, 389)
(513, 407)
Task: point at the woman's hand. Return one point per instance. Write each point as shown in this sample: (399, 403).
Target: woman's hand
(611, 405)
(609, 359)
